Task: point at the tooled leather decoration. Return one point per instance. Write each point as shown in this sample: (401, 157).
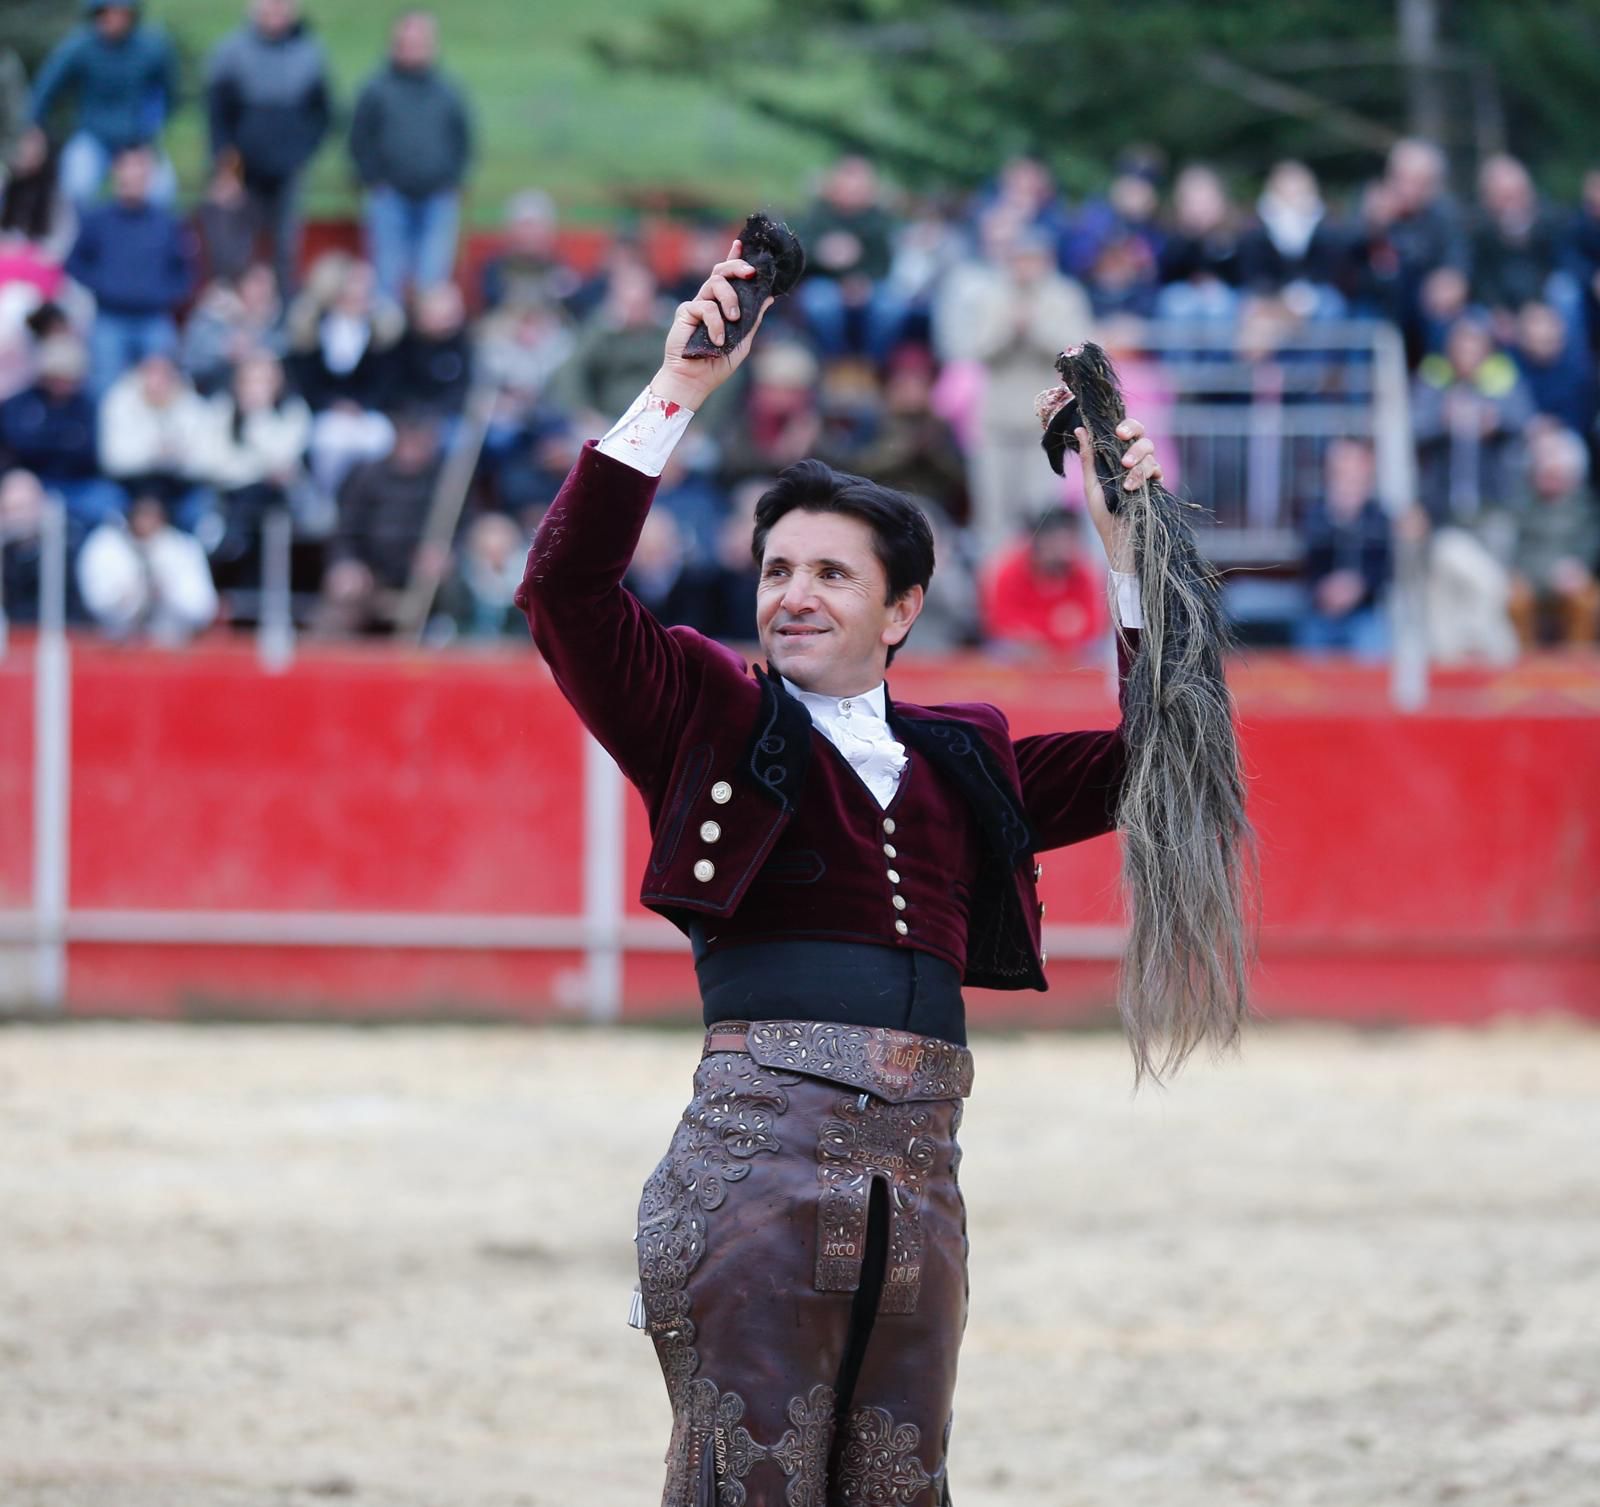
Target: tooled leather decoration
(879, 1465)
(863, 1140)
(894, 1065)
(732, 1118)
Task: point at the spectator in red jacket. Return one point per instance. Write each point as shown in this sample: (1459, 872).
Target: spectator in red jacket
(1042, 593)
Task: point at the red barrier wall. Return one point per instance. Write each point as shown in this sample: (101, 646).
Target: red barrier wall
(1437, 866)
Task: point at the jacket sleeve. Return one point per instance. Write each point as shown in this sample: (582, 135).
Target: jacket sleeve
(1071, 782)
(365, 127)
(630, 680)
(60, 71)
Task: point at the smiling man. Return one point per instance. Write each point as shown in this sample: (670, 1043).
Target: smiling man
(843, 864)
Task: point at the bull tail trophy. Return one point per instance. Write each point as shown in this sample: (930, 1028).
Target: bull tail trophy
(1189, 859)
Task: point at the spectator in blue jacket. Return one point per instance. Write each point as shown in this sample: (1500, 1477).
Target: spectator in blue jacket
(270, 104)
(1348, 558)
(50, 430)
(411, 140)
(123, 77)
(138, 260)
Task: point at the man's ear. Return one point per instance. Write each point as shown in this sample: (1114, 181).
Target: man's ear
(903, 612)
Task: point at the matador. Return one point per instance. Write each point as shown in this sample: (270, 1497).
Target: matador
(843, 863)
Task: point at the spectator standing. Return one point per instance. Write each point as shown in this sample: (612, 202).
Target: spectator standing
(1010, 314)
(143, 576)
(1041, 593)
(50, 429)
(150, 425)
(270, 104)
(1413, 226)
(123, 76)
(138, 260)
(1515, 246)
(1349, 557)
(411, 140)
(1556, 544)
(846, 298)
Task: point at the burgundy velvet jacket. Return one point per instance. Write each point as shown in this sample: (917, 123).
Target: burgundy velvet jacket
(724, 756)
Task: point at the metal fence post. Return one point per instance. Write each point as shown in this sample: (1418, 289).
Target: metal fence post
(604, 859)
(1395, 452)
(275, 627)
(52, 763)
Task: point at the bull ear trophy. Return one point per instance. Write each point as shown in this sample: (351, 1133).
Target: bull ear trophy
(1188, 851)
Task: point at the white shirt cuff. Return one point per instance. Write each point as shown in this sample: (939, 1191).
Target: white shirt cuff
(1130, 608)
(647, 434)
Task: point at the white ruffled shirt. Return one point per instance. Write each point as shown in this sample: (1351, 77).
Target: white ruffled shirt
(644, 438)
(857, 727)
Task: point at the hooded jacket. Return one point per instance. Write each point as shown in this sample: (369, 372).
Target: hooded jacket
(124, 90)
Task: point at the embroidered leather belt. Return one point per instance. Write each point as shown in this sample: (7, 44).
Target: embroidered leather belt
(894, 1065)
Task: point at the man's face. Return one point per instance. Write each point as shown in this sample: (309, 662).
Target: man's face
(415, 43)
(820, 607)
(130, 176)
(274, 17)
(114, 22)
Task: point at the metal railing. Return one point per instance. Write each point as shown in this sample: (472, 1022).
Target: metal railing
(1250, 429)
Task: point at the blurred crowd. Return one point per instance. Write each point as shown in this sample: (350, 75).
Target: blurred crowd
(177, 375)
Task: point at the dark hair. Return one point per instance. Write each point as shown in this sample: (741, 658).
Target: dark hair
(902, 537)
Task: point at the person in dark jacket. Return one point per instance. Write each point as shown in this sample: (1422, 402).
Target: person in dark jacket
(51, 429)
(1348, 558)
(123, 76)
(270, 104)
(383, 511)
(411, 140)
(435, 357)
(138, 260)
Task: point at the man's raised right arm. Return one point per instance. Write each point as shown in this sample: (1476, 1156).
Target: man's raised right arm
(630, 680)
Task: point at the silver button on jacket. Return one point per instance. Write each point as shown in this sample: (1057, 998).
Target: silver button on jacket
(705, 870)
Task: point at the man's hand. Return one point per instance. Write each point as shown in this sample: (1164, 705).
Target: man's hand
(1140, 463)
(690, 382)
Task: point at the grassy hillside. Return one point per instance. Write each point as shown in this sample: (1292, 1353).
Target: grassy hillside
(548, 114)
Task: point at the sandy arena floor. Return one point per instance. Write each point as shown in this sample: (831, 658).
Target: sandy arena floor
(277, 1267)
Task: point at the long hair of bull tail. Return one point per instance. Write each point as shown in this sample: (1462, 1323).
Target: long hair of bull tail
(1188, 850)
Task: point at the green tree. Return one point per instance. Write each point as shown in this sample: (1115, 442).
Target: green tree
(940, 90)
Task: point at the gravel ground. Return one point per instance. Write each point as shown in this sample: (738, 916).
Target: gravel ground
(276, 1267)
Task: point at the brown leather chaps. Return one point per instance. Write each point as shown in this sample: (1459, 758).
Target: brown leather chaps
(803, 1268)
